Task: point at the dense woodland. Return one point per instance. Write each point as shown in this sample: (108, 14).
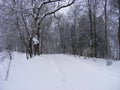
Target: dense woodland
(79, 27)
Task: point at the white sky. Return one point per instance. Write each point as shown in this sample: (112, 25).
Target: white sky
(64, 10)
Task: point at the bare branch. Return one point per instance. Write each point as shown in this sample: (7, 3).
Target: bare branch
(44, 3)
(52, 12)
(25, 24)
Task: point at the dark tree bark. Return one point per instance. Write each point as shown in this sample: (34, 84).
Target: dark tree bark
(119, 27)
(91, 27)
(73, 40)
(30, 47)
(94, 28)
(36, 49)
(106, 32)
(95, 38)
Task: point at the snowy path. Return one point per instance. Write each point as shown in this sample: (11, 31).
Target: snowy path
(87, 76)
(35, 75)
(61, 72)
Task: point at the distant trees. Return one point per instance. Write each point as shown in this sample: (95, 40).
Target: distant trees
(115, 10)
(92, 30)
(7, 29)
(84, 30)
(29, 16)
(60, 25)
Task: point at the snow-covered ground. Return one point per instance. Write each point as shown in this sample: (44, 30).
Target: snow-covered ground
(61, 72)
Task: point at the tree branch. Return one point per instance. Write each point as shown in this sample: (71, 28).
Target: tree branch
(44, 3)
(52, 12)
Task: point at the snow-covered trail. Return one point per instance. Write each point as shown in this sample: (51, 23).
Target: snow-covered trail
(37, 74)
(86, 75)
(61, 72)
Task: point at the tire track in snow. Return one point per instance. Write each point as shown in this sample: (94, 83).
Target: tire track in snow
(65, 79)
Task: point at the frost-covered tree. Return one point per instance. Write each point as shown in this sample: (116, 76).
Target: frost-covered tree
(29, 16)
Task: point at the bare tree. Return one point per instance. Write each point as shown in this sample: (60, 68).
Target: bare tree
(34, 14)
(91, 26)
(37, 9)
(79, 32)
(38, 20)
(119, 27)
(94, 27)
(106, 28)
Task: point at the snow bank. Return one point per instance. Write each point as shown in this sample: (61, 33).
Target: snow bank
(62, 72)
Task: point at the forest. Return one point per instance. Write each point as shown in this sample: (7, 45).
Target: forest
(79, 27)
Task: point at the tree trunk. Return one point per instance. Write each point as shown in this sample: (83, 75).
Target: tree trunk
(30, 47)
(106, 33)
(95, 37)
(91, 29)
(119, 27)
(94, 28)
(38, 47)
(73, 40)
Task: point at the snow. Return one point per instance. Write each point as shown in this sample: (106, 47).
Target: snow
(4, 59)
(35, 40)
(61, 72)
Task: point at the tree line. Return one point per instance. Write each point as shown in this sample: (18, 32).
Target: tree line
(88, 28)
